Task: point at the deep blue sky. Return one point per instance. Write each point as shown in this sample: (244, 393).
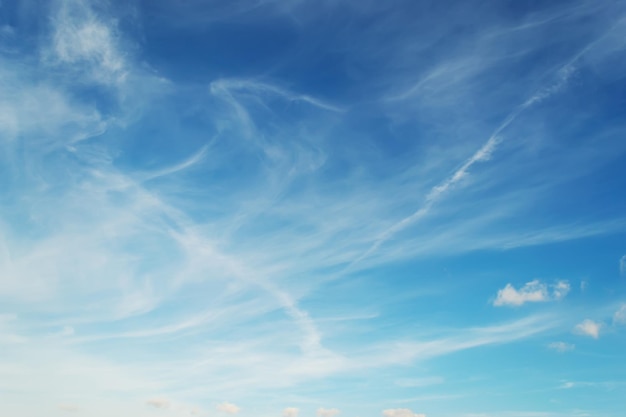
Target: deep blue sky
(307, 208)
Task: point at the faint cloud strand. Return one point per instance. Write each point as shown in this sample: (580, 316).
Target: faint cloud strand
(561, 347)
(620, 315)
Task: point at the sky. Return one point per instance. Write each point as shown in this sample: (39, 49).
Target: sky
(312, 208)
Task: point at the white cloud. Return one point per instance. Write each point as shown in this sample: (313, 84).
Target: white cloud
(229, 408)
(532, 292)
(290, 412)
(620, 315)
(589, 328)
(560, 290)
(159, 402)
(622, 265)
(561, 347)
(327, 412)
(82, 38)
(401, 412)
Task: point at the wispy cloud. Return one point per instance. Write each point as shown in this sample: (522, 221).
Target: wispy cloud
(620, 315)
(561, 347)
(173, 223)
(81, 39)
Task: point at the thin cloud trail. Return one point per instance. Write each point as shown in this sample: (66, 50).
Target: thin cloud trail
(481, 155)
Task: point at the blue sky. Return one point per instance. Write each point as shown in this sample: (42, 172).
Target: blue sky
(299, 208)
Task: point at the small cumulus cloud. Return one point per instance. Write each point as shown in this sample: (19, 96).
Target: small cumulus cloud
(560, 290)
(622, 265)
(561, 347)
(589, 328)
(159, 403)
(327, 412)
(229, 408)
(532, 292)
(401, 412)
(290, 412)
(620, 315)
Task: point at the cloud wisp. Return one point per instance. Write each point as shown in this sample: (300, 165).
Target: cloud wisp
(242, 206)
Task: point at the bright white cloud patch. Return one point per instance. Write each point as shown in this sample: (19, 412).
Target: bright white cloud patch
(532, 292)
(589, 328)
(561, 347)
(290, 412)
(401, 412)
(620, 315)
(327, 412)
(228, 408)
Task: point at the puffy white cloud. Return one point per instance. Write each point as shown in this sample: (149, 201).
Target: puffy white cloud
(159, 402)
(290, 412)
(532, 292)
(589, 328)
(561, 347)
(620, 315)
(228, 408)
(327, 412)
(401, 412)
